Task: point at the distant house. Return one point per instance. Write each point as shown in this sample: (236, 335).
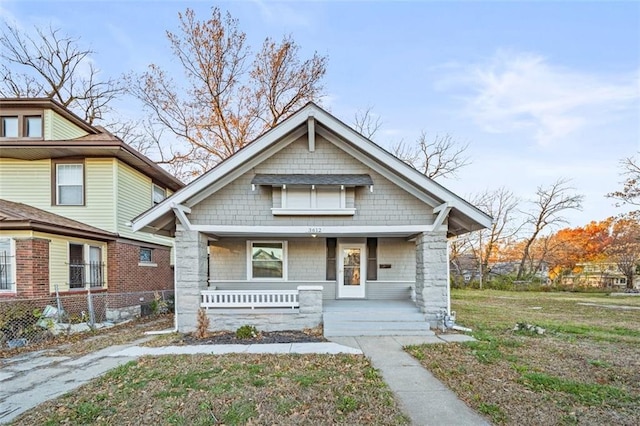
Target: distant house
(68, 191)
(595, 274)
(315, 207)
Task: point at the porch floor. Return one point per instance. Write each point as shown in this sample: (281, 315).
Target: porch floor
(373, 318)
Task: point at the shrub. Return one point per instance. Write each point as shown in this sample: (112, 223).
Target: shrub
(246, 332)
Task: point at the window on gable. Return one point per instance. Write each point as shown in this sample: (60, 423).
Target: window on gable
(69, 184)
(267, 260)
(9, 127)
(313, 200)
(159, 194)
(7, 265)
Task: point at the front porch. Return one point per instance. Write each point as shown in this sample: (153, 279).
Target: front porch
(380, 285)
(271, 310)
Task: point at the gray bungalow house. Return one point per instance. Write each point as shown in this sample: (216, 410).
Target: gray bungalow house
(310, 211)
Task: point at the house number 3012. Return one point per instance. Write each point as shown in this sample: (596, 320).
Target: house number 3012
(315, 230)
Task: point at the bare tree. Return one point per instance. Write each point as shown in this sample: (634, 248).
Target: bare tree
(51, 64)
(624, 250)
(441, 157)
(500, 204)
(630, 192)
(546, 212)
(229, 95)
(367, 123)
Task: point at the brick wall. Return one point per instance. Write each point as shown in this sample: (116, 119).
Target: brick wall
(32, 267)
(126, 275)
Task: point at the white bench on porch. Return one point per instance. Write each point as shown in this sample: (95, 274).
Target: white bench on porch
(232, 299)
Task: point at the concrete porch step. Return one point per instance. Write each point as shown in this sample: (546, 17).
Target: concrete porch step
(344, 332)
(386, 316)
(374, 318)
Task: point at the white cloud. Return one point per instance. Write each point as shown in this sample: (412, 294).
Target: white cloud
(522, 91)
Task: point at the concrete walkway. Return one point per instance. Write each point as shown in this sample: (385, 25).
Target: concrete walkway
(31, 379)
(422, 397)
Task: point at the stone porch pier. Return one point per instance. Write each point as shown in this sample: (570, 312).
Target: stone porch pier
(432, 274)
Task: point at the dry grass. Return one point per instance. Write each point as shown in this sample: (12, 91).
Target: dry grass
(585, 369)
(83, 343)
(230, 390)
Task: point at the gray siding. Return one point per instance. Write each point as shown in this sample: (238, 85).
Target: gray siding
(237, 204)
(306, 263)
(401, 255)
(306, 259)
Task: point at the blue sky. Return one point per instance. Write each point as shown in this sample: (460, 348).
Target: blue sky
(539, 90)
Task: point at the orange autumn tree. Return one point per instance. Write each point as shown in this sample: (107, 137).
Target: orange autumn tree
(227, 95)
(571, 246)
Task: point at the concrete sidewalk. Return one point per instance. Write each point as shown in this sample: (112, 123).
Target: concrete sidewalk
(422, 397)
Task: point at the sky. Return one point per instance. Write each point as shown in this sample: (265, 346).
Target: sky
(539, 91)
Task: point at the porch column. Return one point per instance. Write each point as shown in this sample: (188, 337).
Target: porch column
(191, 277)
(431, 274)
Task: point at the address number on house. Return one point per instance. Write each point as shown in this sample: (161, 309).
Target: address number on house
(315, 230)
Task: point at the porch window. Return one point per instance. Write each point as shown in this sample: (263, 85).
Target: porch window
(7, 264)
(267, 260)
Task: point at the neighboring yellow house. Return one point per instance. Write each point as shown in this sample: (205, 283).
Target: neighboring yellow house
(62, 167)
(596, 274)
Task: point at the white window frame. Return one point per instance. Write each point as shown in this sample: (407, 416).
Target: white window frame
(155, 188)
(250, 260)
(314, 209)
(13, 266)
(57, 184)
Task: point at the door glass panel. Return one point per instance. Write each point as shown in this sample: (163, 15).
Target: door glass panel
(351, 266)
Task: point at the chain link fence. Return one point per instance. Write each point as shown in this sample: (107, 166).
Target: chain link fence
(30, 321)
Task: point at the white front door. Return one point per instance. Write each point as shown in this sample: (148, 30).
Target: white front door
(351, 270)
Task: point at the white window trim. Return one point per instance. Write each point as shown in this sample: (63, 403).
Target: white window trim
(285, 250)
(58, 185)
(314, 210)
(14, 264)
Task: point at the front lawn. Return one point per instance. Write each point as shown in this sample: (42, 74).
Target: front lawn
(231, 390)
(584, 369)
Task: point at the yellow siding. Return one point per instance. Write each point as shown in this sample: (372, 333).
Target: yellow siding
(29, 182)
(62, 129)
(47, 118)
(26, 182)
(134, 197)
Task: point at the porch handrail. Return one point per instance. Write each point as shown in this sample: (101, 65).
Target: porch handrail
(216, 299)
